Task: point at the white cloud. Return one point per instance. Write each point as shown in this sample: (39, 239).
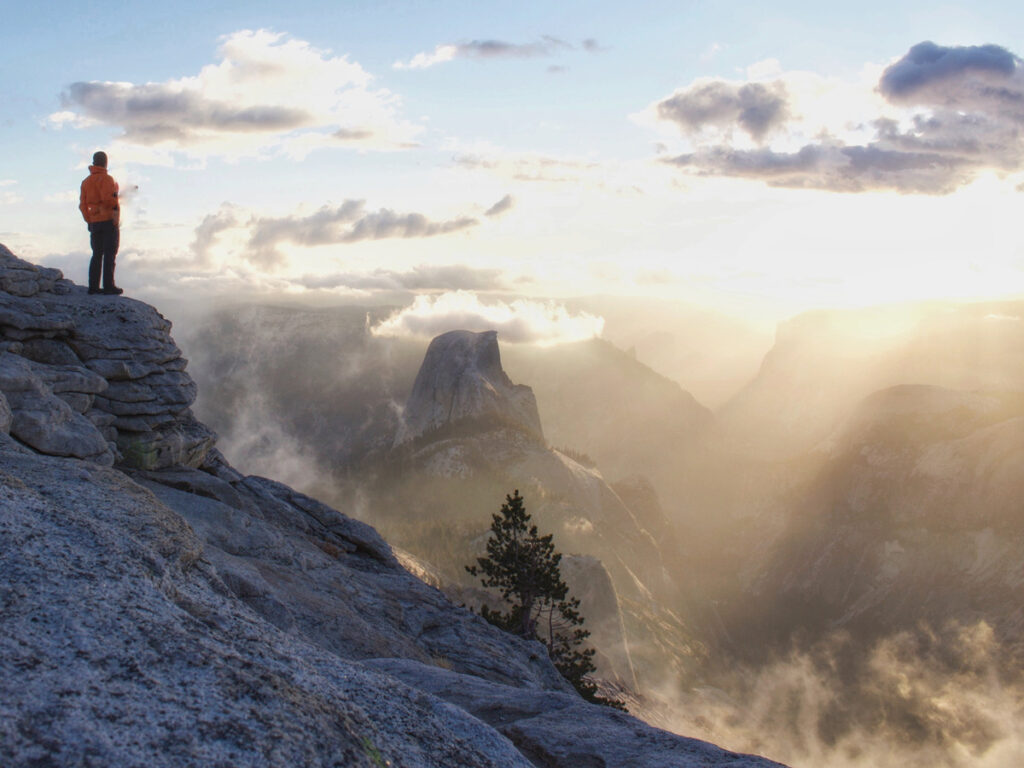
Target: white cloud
(7, 196)
(524, 321)
(67, 196)
(266, 93)
(440, 54)
(514, 165)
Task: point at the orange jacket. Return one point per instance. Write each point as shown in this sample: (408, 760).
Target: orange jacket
(98, 201)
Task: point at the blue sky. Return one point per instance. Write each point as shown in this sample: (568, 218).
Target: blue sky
(760, 157)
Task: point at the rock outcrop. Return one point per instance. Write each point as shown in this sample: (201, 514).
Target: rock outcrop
(99, 377)
(462, 379)
(157, 607)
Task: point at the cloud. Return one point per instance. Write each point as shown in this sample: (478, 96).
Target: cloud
(954, 76)
(756, 108)
(915, 699)
(505, 204)
(65, 197)
(344, 224)
(521, 321)
(207, 231)
(267, 92)
(7, 196)
(837, 168)
(525, 166)
(486, 49)
(153, 113)
(936, 118)
(455, 277)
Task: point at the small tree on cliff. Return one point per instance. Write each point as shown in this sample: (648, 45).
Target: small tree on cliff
(524, 567)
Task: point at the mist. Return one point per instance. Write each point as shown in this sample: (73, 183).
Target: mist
(813, 560)
(918, 698)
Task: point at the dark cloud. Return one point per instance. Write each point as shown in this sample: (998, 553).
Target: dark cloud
(756, 108)
(590, 45)
(423, 278)
(492, 49)
(347, 223)
(971, 121)
(547, 45)
(153, 113)
(832, 167)
(931, 73)
(505, 204)
(352, 134)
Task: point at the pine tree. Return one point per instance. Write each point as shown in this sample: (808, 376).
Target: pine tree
(524, 567)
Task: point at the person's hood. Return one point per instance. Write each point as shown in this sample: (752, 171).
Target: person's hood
(97, 169)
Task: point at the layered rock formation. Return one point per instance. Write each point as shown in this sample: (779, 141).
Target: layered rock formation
(158, 608)
(94, 378)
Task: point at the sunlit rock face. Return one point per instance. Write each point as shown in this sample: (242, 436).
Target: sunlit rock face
(461, 378)
(159, 608)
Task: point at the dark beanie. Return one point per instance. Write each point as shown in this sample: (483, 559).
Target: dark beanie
(100, 159)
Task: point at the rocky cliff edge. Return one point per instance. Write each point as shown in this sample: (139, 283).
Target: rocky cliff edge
(159, 608)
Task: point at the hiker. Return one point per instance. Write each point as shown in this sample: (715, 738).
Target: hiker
(98, 204)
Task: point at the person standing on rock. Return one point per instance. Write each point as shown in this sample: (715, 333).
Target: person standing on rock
(99, 206)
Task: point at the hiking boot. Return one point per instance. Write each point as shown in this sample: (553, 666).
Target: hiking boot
(115, 291)
(93, 290)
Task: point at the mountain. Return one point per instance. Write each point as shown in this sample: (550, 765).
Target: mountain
(839, 539)
(598, 400)
(912, 517)
(157, 607)
(824, 362)
(461, 378)
(709, 354)
(435, 493)
(762, 461)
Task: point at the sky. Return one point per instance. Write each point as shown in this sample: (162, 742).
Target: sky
(761, 158)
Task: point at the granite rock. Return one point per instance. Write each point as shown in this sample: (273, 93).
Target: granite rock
(109, 359)
(559, 730)
(462, 379)
(44, 421)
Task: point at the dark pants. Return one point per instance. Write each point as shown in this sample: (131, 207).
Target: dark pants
(104, 238)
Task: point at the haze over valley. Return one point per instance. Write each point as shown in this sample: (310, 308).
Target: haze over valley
(731, 293)
(843, 522)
